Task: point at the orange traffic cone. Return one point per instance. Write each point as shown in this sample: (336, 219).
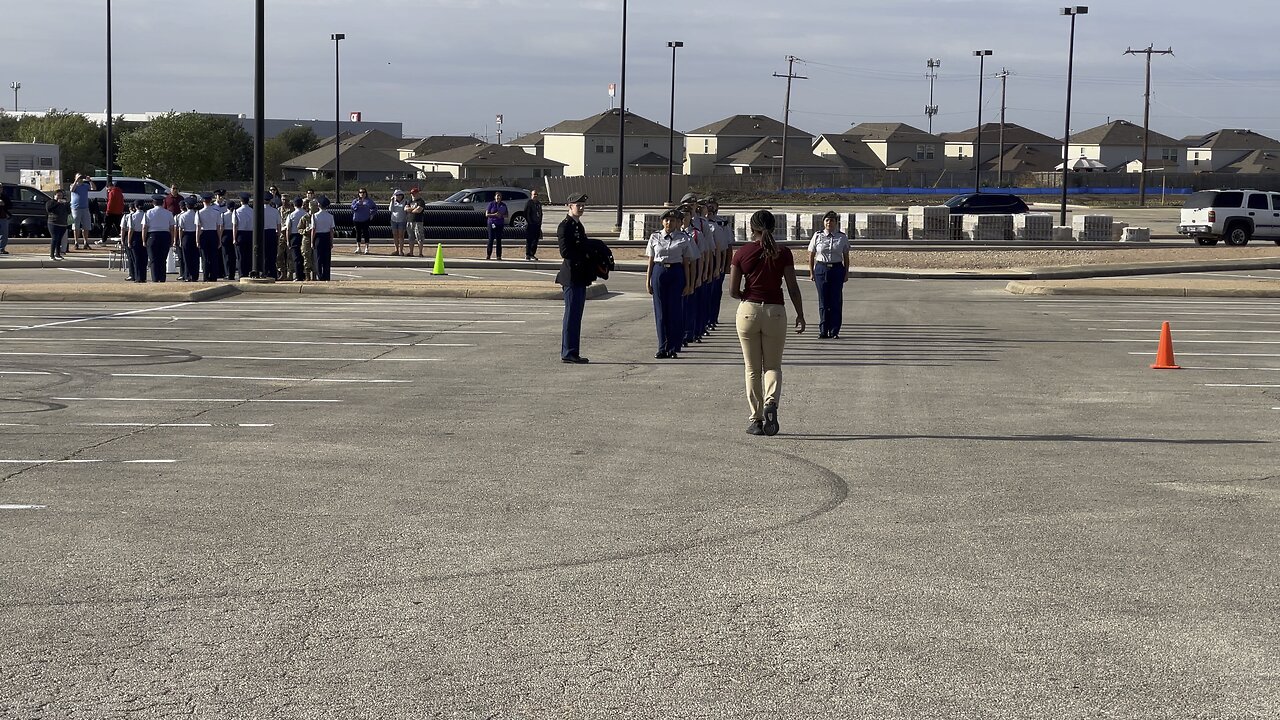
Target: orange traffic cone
(1164, 354)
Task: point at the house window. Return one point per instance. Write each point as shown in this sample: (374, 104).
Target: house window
(706, 146)
(46, 162)
(608, 149)
(924, 152)
(599, 148)
(1169, 154)
(646, 145)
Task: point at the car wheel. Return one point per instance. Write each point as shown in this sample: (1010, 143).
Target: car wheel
(1206, 241)
(1238, 235)
(519, 221)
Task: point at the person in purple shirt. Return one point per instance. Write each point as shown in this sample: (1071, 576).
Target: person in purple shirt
(362, 210)
(496, 218)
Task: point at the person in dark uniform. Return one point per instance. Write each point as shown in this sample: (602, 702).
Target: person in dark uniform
(575, 275)
(157, 225)
(668, 277)
(226, 238)
(829, 268)
(188, 241)
(533, 227)
(242, 231)
(322, 225)
(208, 232)
(136, 243)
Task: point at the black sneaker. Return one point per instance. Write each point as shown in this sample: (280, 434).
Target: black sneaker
(755, 429)
(770, 419)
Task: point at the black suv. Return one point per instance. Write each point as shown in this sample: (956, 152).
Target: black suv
(986, 204)
(27, 206)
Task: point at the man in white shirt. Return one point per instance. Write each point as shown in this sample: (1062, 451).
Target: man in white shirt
(242, 231)
(226, 238)
(157, 225)
(188, 248)
(270, 239)
(208, 236)
(133, 242)
(322, 239)
(297, 271)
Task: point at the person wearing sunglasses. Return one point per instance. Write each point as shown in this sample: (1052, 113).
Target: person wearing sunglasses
(362, 210)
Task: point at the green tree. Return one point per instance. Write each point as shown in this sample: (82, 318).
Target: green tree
(79, 140)
(288, 145)
(188, 149)
(8, 127)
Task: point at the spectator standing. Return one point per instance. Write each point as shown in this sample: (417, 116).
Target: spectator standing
(81, 212)
(496, 218)
(759, 270)
(533, 228)
(829, 268)
(362, 210)
(157, 225)
(575, 275)
(173, 201)
(5, 215)
(322, 224)
(417, 210)
(59, 211)
(399, 222)
(114, 213)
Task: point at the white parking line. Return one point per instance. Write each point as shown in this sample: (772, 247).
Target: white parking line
(314, 359)
(1198, 342)
(329, 314)
(176, 328)
(432, 272)
(1237, 369)
(174, 425)
(534, 272)
(103, 317)
(23, 507)
(86, 462)
(1214, 319)
(248, 377)
(1195, 354)
(1232, 275)
(171, 341)
(345, 274)
(82, 272)
(24, 372)
(1234, 385)
(97, 355)
(191, 400)
(1184, 331)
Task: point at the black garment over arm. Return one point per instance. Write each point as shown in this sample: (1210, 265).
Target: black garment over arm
(572, 239)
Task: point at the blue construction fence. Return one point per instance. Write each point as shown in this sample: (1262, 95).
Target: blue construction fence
(960, 191)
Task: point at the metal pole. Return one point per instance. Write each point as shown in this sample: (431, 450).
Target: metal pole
(786, 121)
(671, 143)
(15, 86)
(977, 152)
(259, 106)
(1146, 119)
(337, 118)
(1004, 81)
(622, 120)
(109, 122)
(1066, 133)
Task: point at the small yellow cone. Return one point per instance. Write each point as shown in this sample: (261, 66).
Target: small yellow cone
(439, 268)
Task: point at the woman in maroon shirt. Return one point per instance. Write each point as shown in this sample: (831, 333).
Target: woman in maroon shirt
(758, 271)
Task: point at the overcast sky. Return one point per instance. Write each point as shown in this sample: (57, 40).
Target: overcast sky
(449, 66)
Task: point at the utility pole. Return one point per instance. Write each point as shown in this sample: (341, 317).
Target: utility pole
(1146, 119)
(786, 115)
(930, 110)
(1004, 81)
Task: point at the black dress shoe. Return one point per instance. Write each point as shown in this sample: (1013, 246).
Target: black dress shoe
(575, 360)
(755, 428)
(672, 356)
(661, 355)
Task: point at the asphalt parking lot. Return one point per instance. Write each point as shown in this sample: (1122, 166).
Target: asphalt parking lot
(980, 506)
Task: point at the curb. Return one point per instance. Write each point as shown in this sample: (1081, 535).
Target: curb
(1261, 291)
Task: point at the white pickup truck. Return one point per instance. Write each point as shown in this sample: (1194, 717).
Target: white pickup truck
(1235, 216)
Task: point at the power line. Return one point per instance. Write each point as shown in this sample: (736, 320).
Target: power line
(786, 115)
(1146, 119)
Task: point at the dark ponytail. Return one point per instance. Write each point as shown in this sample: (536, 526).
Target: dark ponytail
(762, 222)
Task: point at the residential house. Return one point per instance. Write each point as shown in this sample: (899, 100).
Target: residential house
(370, 139)
(590, 146)
(1218, 150)
(847, 151)
(960, 146)
(359, 164)
(900, 146)
(434, 144)
(1258, 161)
(487, 161)
(764, 157)
(707, 147)
(533, 143)
(1117, 143)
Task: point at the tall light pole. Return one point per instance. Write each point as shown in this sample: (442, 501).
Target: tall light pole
(1066, 133)
(671, 145)
(337, 117)
(977, 151)
(108, 124)
(259, 108)
(15, 86)
(622, 120)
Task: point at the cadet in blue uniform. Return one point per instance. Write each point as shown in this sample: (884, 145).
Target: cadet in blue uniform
(242, 231)
(157, 224)
(692, 333)
(295, 239)
(322, 239)
(270, 239)
(136, 243)
(724, 248)
(208, 236)
(668, 277)
(189, 249)
(829, 268)
(226, 238)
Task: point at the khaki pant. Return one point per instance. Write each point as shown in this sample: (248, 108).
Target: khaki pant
(308, 257)
(762, 330)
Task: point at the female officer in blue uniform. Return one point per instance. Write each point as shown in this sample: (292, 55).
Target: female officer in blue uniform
(829, 268)
(669, 277)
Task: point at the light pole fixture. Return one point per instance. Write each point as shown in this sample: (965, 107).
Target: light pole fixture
(1066, 133)
(982, 56)
(15, 86)
(622, 120)
(671, 145)
(337, 117)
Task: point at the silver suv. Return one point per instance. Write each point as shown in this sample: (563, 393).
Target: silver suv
(1235, 216)
(478, 199)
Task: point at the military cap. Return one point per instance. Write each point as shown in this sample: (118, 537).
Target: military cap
(576, 198)
(673, 213)
(688, 198)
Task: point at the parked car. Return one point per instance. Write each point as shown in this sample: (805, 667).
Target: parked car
(479, 199)
(133, 188)
(27, 208)
(1231, 215)
(986, 204)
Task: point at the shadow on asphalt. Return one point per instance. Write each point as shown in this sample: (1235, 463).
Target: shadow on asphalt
(1026, 438)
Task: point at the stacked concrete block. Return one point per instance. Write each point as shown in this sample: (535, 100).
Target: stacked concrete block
(877, 226)
(929, 222)
(1117, 230)
(639, 226)
(988, 228)
(1136, 234)
(955, 226)
(1063, 234)
(849, 224)
(1091, 228)
(1033, 227)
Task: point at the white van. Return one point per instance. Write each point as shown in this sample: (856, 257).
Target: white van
(134, 188)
